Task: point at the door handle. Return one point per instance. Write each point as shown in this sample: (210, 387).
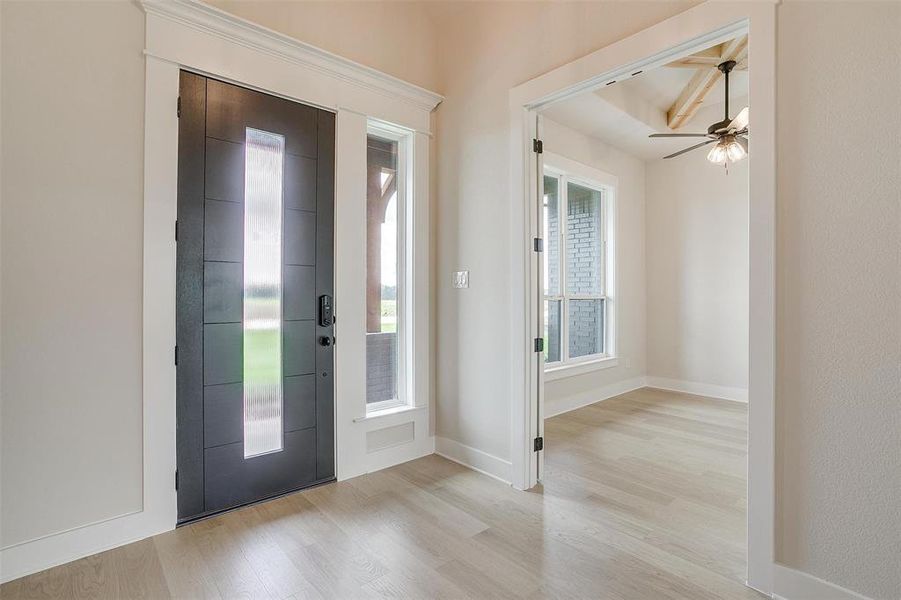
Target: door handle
(325, 340)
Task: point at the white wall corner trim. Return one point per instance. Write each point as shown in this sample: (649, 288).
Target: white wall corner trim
(187, 34)
(791, 584)
(700, 389)
(558, 406)
(209, 19)
(475, 459)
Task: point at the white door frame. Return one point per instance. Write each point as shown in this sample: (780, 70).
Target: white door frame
(186, 34)
(696, 28)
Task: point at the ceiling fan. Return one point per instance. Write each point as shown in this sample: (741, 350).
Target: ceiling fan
(730, 135)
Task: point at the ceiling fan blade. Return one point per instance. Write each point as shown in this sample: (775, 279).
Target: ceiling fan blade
(676, 135)
(690, 148)
(740, 121)
(742, 141)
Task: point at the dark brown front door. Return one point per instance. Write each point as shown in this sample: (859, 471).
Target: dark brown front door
(255, 279)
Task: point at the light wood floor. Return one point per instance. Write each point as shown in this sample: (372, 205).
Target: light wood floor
(644, 498)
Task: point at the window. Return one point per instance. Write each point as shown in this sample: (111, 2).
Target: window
(387, 189)
(577, 269)
(262, 322)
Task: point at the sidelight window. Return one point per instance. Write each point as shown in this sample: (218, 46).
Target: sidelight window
(387, 191)
(264, 155)
(577, 269)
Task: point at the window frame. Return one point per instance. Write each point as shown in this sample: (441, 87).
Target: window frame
(404, 176)
(567, 171)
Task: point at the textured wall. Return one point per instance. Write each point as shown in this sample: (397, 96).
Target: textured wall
(839, 293)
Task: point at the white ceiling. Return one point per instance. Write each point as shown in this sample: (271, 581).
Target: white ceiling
(625, 113)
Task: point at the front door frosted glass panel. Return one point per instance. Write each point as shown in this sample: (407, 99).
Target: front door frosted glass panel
(264, 158)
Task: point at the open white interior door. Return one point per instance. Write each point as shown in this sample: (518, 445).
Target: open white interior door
(537, 305)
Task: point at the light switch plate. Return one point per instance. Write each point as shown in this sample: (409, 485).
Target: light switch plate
(461, 279)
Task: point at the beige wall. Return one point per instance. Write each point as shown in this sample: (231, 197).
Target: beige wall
(398, 38)
(697, 271)
(72, 151)
(839, 293)
(630, 261)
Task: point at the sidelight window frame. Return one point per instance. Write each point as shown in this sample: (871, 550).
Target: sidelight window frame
(566, 172)
(404, 176)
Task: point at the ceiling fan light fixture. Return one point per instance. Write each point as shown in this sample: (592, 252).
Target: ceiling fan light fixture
(734, 150)
(727, 149)
(717, 154)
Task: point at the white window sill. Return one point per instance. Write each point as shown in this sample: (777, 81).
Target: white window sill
(386, 412)
(579, 368)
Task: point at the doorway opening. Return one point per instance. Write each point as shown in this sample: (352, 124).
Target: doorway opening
(645, 316)
(678, 295)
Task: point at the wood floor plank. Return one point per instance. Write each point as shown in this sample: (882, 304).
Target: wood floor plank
(643, 497)
(187, 574)
(95, 577)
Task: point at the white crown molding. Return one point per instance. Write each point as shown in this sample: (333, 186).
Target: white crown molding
(203, 17)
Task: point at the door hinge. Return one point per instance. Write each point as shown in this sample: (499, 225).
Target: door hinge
(538, 244)
(539, 344)
(176, 479)
(178, 107)
(537, 146)
(176, 356)
(538, 444)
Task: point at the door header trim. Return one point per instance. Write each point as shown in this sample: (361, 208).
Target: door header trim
(234, 29)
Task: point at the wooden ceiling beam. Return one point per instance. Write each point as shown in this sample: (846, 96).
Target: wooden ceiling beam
(691, 97)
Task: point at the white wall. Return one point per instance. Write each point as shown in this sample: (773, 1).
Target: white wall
(839, 293)
(697, 272)
(630, 267)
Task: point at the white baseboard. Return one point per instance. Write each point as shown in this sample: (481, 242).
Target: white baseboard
(559, 406)
(56, 549)
(790, 584)
(475, 459)
(700, 389)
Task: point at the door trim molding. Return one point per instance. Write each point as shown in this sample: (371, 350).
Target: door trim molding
(186, 34)
(698, 27)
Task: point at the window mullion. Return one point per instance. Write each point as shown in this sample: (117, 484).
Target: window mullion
(563, 207)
